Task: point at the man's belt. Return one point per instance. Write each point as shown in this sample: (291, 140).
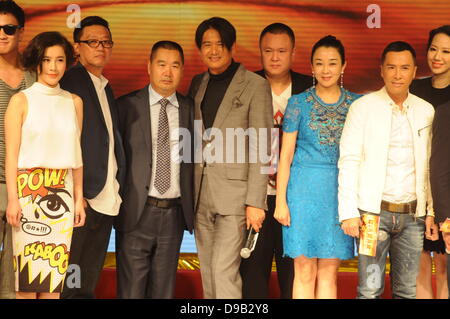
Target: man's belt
(163, 203)
(402, 208)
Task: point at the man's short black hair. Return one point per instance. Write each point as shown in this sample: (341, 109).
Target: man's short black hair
(9, 6)
(278, 28)
(445, 29)
(398, 46)
(225, 29)
(169, 45)
(34, 52)
(87, 22)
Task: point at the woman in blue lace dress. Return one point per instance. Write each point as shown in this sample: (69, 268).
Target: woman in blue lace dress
(307, 181)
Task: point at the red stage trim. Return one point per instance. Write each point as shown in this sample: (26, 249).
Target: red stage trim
(189, 286)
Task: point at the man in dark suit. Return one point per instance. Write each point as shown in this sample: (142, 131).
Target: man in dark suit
(103, 158)
(277, 47)
(440, 173)
(156, 124)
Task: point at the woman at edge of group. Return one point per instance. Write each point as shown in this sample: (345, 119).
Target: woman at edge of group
(435, 90)
(307, 203)
(42, 129)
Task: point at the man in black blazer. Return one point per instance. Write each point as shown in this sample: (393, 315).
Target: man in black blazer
(440, 172)
(158, 194)
(277, 47)
(103, 157)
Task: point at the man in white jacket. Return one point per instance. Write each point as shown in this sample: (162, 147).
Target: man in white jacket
(384, 171)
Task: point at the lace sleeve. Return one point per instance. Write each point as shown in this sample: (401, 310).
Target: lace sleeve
(291, 117)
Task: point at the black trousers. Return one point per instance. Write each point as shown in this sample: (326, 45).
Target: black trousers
(88, 251)
(147, 257)
(255, 271)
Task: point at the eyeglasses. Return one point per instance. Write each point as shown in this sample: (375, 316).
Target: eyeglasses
(95, 43)
(10, 29)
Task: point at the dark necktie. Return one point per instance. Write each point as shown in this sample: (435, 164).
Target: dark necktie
(162, 176)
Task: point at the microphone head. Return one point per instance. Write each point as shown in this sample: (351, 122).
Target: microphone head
(245, 253)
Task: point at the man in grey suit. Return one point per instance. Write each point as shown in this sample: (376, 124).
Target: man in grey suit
(235, 107)
(158, 194)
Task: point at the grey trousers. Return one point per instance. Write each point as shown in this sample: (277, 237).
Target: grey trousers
(219, 240)
(147, 256)
(7, 289)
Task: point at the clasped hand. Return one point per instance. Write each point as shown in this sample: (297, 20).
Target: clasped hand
(282, 214)
(255, 217)
(352, 226)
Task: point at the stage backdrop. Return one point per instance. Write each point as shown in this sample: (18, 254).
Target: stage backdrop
(365, 27)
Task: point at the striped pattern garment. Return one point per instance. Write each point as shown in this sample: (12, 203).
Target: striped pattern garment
(6, 92)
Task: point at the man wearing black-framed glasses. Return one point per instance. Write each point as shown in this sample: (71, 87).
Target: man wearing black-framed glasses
(12, 80)
(95, 43)
(103, 156)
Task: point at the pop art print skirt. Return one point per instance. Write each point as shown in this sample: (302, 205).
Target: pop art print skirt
(41, 244)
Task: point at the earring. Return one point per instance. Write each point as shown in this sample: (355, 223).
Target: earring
(342, 80)
(314, 81)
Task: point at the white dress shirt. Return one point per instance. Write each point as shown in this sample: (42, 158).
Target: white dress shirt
(173, 118)
(400, 185)
(108, 200)
(279, 103)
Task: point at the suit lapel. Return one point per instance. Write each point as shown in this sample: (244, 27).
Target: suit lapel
(144, 115)
(199, 98)
(232, 95)
(183, 112)
(111, 104)
(183, 121)
(93, 94)
(295, 84)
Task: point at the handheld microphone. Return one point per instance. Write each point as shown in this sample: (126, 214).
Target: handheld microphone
(250, 243)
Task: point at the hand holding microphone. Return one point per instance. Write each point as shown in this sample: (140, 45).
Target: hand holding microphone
(255, 218)
(250, 244)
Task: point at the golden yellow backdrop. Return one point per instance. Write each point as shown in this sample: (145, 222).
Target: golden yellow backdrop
(136, 25)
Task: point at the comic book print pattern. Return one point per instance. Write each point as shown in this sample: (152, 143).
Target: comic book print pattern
(42, 242)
